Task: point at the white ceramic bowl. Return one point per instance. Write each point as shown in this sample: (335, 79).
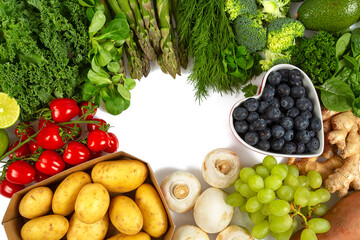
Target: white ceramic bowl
(312, 95)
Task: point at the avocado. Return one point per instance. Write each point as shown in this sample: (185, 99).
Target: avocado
(329, 15)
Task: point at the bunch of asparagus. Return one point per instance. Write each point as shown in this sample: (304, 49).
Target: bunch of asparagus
(151, 38)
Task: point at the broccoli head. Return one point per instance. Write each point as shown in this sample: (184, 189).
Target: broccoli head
(282, 32)
(273, 58)
(272, 9)
(249, 33)
(237, 8)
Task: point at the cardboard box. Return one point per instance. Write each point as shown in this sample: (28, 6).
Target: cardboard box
(13, 221)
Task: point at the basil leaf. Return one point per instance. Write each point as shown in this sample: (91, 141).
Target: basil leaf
(342, 44)
(88, 91)
(97, 22)
(129, 83)
(124, 92)
(98, 78)
(117, 29)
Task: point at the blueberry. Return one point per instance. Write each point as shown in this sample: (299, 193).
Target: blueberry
(273, 113)
(289, 135)
(265, 134)
(277, 131)
(251, 104)
(240, 113)
(268, 94)
(274, 78)
(295, 76)
(277, 143)
(252, 127)
(297, 91)
(260, 124)
(293, 112)
(303, 103)
(275, 103)
(312, 133)
(263, 106)
(311, 106)
(300, 148)
(315, 124)
(306, 114)
(283, 90)
(287, 102)
(241, 126)
(303, 136)
(252, 117)
(263, 145)
(313, 145)
(301, 123)
(289, 148)
(285, 74)
(251, 138)
(287, 123)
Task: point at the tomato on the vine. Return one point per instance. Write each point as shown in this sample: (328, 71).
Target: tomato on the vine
(50, 163)
(74, 130)
(63, 109)
(20, 172)
(33, 146)
(92, 126)
(98, 140)
(50, 137)
(113, 143)
(39, 176)
(22, 151)
(83, 110)
(76, 153)
(23, 131)
(94, 155)
(44, 122)
(7, 189)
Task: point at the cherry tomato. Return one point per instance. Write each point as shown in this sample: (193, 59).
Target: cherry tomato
(22, 151)
(92, 126)
(44, 123)
(98, 140)
(20, 172)
(63, 109)
(94, 155)
(83, 110)
(50, 163)
(7, 189)
(76, 153)
(50, 137)
(33, 146)
(39, 176)
(23, 131)
(74, 130)
(113, 143)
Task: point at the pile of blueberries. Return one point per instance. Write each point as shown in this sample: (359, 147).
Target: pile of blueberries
(282, 119)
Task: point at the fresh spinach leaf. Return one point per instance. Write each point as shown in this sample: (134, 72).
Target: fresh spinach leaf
(342, 44)
(355, 42)
(97, 22)
(117, 29)
(356, 107)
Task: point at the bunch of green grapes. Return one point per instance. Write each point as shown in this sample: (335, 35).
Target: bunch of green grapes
(273, 194)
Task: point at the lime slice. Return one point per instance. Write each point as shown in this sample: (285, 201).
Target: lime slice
(9, 111)
(4, 141)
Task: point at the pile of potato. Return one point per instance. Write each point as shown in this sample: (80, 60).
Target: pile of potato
(87, 202)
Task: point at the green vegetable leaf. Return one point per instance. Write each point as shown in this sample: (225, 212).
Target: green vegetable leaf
(353, 61)
(99, 78)
(90, 13)
(103, 56)
(249, 90)
(97, 22)
(88, 91)
(129, 83)
(355, 42)
(125, 93)
(105, 94)
(117, 29)
(113, 67)
(87, 3)
(241, 62)
(97, 100)
(94, 65)
(356, 107)
(116, 104)
(342, 44)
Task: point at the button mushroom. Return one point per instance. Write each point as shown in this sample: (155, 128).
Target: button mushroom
(234, 232)
(180, 190)
(190, 232)
(221, 168)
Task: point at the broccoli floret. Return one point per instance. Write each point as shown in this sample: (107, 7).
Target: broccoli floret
(249, 33)
(273, 58)
(272, 9)
(281, 34)
(236, 8)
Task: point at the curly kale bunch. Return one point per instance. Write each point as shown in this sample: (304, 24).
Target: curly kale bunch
(316, 56)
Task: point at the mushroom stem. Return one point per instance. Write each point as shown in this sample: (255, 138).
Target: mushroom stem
(181, 191)
(223, 166)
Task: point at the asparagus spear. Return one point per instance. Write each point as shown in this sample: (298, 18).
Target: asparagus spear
(134, 55)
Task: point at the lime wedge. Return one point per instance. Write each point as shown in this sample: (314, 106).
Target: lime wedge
(9, 111)
(4, 141)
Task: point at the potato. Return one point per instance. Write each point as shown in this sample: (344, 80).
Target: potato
(63, 202)
(152, 209)
(125, 215)
(120, 176)
(49, 227)
(36, 202)
(138, 236)
(83, 231)
(92, 203)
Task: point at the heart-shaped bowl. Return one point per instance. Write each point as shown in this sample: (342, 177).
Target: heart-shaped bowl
(311, 94)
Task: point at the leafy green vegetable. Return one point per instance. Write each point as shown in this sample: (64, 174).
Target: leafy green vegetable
(342, 44)
(356, 107)
(249, 90)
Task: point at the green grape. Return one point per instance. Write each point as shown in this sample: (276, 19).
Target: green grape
(261, 229)
(245, 173)
(256, 183)
(253, 205)
(293, 170)
(319, 225)
(273, 182)
(302, 196)
(262, 171)
(292, 182)
(279, 208)
(294, 225)
(308, 234)
(314, 198)
(320, 209)
(284, 235)
(315, 179)
(242, 207)
(324, 195)
(257, 216)
(280, 224)
(280, 170)
(235, 199)
(237, 185)
(303, 181)
(256, 165)
(246, 191)
(266, 195)
(265, 209)
(285, 193)
(269, 162)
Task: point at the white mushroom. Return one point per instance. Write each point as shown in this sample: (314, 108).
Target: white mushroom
(189, 232)
(234, 232)
(211, 213)
(181, 190)
(221, 168)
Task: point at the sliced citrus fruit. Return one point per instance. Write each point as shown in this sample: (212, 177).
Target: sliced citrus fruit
(4, 141)
(9, 111)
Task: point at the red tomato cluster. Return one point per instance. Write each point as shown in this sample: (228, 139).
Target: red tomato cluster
(56, 145)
